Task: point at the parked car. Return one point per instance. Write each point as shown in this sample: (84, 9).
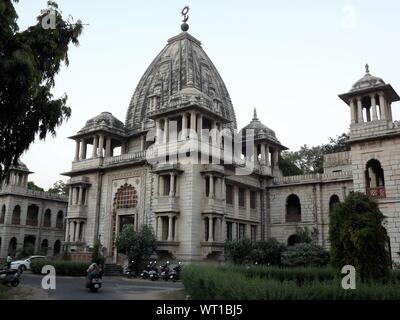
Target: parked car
(25, 264)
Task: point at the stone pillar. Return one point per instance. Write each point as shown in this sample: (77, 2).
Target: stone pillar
(172, 185)
(210, 229)
(176, 229)
(158, 133)
(74, 232)
(211, 189)
(199, 125)
(267, 155)
(359, 111)
(77, 150)
(184, 126)
(170, 225)
(108, 147)
(373, 106)
(352, 111)
(78, 227)
(158, 228)
(67, 232)
(82, 152)
(80, 194)
(157, 185)
(101, 145)
(192, 124)
(223, 192)
(382, 105)
(263, 154)
(275, 158)
(95, 146)
(70, 196)
(166, 130)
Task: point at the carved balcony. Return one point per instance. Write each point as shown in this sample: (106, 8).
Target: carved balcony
(377, 192)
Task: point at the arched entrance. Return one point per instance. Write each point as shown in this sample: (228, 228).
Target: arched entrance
(293, 208)
(57, 248)
(334, 202)
(44, 247)
(29, 245)
(293, 239)
(12, 246)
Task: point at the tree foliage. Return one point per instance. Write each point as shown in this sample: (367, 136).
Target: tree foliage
(138, 246)
(29, 62)
(33, 186)
(359, 238)
(59, 187)
(311, 159)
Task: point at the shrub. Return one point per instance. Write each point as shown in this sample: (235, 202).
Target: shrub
(268, 252)
(239, 251)
(96, 254)
(358, 237)
(305, 255)
(63, 268)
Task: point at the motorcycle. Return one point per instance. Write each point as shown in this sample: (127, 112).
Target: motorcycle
(10, 277)
(175, 274)
(153, 273)
(164, 271)
(146, 273)
(130, 271)
(95, 283)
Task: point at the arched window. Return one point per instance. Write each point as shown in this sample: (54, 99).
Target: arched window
(60, 220)
(44, 247)
(47, 219)
(293, 209)
(375, 179)
(126, 197)
(29, 245)
(12, 246)
(57, 248)
(293, 239)
(333, 202)
(32, 218)
(16, 216)
(3, 214)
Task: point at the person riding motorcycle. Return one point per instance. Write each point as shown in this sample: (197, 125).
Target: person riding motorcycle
(93, 271)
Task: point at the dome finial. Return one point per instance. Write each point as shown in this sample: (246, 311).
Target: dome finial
(367, 68)
(185, 14)
(255, 114)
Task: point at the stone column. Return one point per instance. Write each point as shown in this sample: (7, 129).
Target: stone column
(192, 124)
(210, 229)
(275, 158)
(74, 232)
(359, 111)
(170, 224)
(77, 150)
(166, 130)
(373, 106)
(184, 126)
(267, 155)
(73, 189)
(223, 192)
(176, 229)
(158, 228)
(80, 194)
(158, 134)
(382, 105)
(352, 111)
(82, 152)
(95, 146)
(78, 227)
(70, 196)
(211, 189)
(199, 125)
(172, 185)
(108, 147)
(101, 145)
(157, 185)
(263, 153)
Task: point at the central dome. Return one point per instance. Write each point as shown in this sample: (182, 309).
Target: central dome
(182, 67)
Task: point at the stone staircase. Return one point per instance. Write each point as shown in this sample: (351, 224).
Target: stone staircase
(112, 269)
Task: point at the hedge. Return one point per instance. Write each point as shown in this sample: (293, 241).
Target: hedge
(63, 268)
(206, 282)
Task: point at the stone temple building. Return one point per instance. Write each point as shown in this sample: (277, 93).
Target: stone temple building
(30, 217)
(173, 165)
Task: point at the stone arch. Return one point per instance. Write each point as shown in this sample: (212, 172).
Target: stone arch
(44, 247)
(126, 197)
(16, 215)
(60, 220)
(57, 248)
(29, 245)
(375, 179)
(3, 214)
(32, 217)
(334, 201)
(293, 239)
(47, 219)
(12, 246)
(293, 208)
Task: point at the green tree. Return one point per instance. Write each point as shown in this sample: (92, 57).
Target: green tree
(138, 246)
(59, 187)
(311, 159)
(29, 62)
(33, 186)
(358, 237)
(97, 257)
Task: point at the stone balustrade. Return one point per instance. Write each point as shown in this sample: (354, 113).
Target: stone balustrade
(16, 190)
(313, 177)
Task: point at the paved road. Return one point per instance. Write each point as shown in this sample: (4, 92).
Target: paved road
(114, 288)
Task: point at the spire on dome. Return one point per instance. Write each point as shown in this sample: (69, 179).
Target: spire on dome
(255, 114)
(185, 11)
(367, 68)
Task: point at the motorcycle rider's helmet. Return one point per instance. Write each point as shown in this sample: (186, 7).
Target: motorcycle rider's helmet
(167, 262)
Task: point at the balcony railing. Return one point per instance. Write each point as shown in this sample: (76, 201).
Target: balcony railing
(377, 192)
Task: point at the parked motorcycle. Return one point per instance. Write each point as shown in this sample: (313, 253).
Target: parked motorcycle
(175, 273)
(130, 270)
(153, 273)
(165, 271)
(146, 272)
(10, 277)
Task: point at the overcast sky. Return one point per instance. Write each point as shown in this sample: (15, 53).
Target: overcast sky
(289, 59)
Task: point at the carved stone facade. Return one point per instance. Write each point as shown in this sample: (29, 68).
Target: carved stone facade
(148, 171)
